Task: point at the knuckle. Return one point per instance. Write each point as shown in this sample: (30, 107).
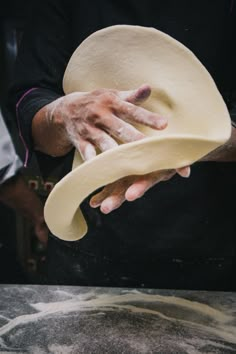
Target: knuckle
(128, 110)
(120, 132)
(93, 113)
(107, 121)
(98, 92)
(70, 107)
(84, 131)
(107, 98)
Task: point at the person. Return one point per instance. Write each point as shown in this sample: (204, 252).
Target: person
(14, 191)
(177, 234)
(16, 195)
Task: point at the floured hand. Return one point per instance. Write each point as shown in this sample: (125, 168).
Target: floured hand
(100, 119)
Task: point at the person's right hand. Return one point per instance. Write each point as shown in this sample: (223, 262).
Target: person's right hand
(41, 230)
(99, 119)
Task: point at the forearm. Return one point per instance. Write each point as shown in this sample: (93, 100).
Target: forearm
(226, 152)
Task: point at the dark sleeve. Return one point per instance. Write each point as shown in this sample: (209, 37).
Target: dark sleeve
(41, 61)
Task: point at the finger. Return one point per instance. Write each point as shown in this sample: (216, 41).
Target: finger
(144, 183)
(115, 190)
(121, 130)
(136, 96)
(98, 198)
(140, 186)
(184, 171)
(111, 203)
(131, 113)
(102, 140)
(85, 148)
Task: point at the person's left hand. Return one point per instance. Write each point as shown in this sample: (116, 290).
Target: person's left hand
(131, 188)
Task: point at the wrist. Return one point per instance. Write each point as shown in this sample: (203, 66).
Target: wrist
(226, 152)
(49, 130)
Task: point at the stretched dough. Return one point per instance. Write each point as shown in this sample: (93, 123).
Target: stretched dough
(124, 57)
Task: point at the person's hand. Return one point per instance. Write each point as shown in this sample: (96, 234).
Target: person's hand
(16, 194)
(41, 230)
(100, 119)
(131, 188)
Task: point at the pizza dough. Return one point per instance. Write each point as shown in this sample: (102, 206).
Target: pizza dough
(124, 57)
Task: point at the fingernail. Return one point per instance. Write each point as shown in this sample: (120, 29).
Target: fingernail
(94, 204)
(130, 196)
(106, 207)
(162, 123)
(105, 210)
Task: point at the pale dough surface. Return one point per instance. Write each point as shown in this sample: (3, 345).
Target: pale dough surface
(124, 57)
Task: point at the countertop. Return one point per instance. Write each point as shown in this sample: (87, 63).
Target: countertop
(42, 319)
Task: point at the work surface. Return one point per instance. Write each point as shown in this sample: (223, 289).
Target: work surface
(62, 319)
